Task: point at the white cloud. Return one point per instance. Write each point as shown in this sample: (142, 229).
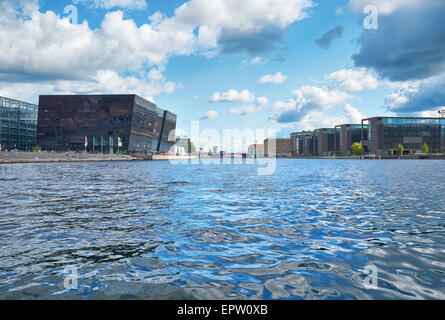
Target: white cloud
(37, 46)
(242, 16)
(323, 98)
(211, 114)
(306, 100)
(244, 110)
(262, 101)
(233, 96)
(353, 80)
(108, 4)
(353, 116)
(153, 84)
(319, 119)
(254, 61)
(273, 78)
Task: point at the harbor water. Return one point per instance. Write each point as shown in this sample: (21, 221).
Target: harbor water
(314, 229)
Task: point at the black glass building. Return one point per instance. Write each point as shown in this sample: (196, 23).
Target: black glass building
(18, 124)
(66, 122)
(386, 133)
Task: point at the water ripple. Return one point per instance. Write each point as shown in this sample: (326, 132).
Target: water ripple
(159, 230)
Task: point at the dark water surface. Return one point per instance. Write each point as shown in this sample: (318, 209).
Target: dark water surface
(155, 230)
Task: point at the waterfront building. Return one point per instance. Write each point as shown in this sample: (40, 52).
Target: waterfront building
(386, 133)
(98, 122)
(256, 150)
(184, 143)
(302, 143)
(327, 138)
(348, 135)
(18, 124)
(272, 147)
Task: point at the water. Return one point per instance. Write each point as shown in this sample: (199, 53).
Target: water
(155, 230)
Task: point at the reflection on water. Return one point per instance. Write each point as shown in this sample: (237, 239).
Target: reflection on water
(155, 230)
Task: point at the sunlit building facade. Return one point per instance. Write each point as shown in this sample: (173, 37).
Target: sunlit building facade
(386, 133)
(348, 135)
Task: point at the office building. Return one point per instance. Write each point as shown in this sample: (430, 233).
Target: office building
(348, 135)
(386, 133)
(18, 124)
(273, 147)
(302, 143)
(66, 122)
(327, 138)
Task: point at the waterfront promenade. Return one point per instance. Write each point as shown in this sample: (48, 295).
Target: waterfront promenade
(38, 157)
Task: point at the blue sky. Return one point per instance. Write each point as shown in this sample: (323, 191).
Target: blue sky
(203, 60)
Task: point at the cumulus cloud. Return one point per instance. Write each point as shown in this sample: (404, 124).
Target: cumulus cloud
(233, 96)
(321, 119)
(251, 26)
(273, 78)
(152, 84)
(409, 43)
(108, 4)
(42, 46)
(353, 80)
(250, 108)
(352, 115)
(244, 110)
(262, 101)
(308, 99)
(326, 39)
(211, 114)
(426, 95)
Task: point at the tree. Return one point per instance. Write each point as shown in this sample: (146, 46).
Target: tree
(425, 148)
(192, 147)
(278, 150)
(357, 148)
(401, 149)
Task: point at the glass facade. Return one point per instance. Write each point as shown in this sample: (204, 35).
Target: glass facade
(385, 134)
(66, 121)
(18, 124)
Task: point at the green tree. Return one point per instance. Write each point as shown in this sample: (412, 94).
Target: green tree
(192, 147)
(401, 149)
(425, 148)
(357, 148)
(278, 150)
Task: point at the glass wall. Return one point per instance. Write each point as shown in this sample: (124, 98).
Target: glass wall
(18, 124)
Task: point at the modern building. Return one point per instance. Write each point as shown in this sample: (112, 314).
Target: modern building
(272, 147)
(327, 138)
(302, 144)
(66, 122)
(348, 135)
(255, 150)
(386, 133)
(18, 124)
(184, 143)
